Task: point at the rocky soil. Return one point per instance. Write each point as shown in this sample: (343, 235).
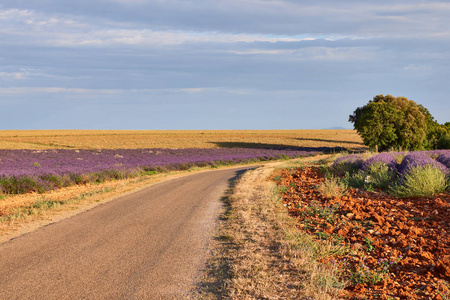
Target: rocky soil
(397, 248)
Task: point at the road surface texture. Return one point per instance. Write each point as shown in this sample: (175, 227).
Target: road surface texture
(147, 245)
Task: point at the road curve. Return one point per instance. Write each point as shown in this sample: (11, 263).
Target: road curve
(147, 245)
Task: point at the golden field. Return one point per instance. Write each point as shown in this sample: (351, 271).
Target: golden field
(134, 139)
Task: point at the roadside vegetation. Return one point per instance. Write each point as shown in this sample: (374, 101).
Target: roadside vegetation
(391, 209)
(261, 254)
(356, 226)
(400, 174)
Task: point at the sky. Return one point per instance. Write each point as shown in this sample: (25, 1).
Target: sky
(217, 64)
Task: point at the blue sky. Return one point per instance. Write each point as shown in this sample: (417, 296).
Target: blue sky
(222, 64)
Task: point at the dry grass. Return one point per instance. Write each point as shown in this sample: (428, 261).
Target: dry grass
(332, 187)
(132, 139)
(260, 253)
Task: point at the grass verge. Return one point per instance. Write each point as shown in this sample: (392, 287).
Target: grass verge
(260, 254)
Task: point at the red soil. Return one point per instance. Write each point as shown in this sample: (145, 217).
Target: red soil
(378, 226)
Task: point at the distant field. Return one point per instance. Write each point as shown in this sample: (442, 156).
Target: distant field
(135, 139)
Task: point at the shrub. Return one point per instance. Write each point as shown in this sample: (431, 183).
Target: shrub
(356, 180)
(381, 159)
(332, 187)
(421, 181)
(444, 159)
(416, 159)
(379, 175)
(53, 180)
(444, 142)
(21, 185)
(347, 164)
(412, 177)
(79, 178)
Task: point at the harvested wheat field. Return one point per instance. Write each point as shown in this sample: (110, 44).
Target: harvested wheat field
(135, 139)
(398, 248)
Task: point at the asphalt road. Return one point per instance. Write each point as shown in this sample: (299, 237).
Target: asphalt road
(147, 245)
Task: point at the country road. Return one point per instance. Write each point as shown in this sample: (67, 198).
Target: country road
(147, 245)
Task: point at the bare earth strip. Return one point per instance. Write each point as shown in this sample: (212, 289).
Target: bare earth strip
(145, 245)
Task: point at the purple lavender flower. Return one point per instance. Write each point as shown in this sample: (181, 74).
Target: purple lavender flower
(436, 153)
(382, 158)
(417, 159)
(444, 159)
(49, 169)
(354, 160)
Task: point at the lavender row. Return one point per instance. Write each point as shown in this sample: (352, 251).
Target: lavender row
(31, 170)
(400, 162)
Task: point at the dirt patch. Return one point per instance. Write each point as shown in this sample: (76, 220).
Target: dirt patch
(398, 248)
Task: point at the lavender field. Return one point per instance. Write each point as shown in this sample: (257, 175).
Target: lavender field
(23, 171)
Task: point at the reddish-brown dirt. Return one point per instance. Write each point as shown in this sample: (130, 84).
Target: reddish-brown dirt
(411, 236)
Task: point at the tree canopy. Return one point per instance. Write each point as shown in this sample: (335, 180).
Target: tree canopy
(389, 122)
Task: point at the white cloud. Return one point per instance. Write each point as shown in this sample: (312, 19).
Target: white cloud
(351, 20)
(53, 90)
(29, 27)
(193, 90)
(12, 75)
(317, 53)
(28, 73)
(60, 90)
(14, 14)
(261, 51)
(417, 68)
(155, 38)
(338, 53)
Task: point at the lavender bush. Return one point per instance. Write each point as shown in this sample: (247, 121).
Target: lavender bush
(420, 181)
(382, 158)
(418, 174)
(347, 164)
(419, 159)
(23, 171)
(444, 159)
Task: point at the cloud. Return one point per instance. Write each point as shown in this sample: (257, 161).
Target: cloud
(261, 51)
(367, 18)
(221, 56)
(59, 90)
(167, 23)
(51, 90)
(33, 28)
(14, 75)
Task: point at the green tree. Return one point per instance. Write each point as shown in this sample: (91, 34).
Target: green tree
(443, 136)
(392, 122)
